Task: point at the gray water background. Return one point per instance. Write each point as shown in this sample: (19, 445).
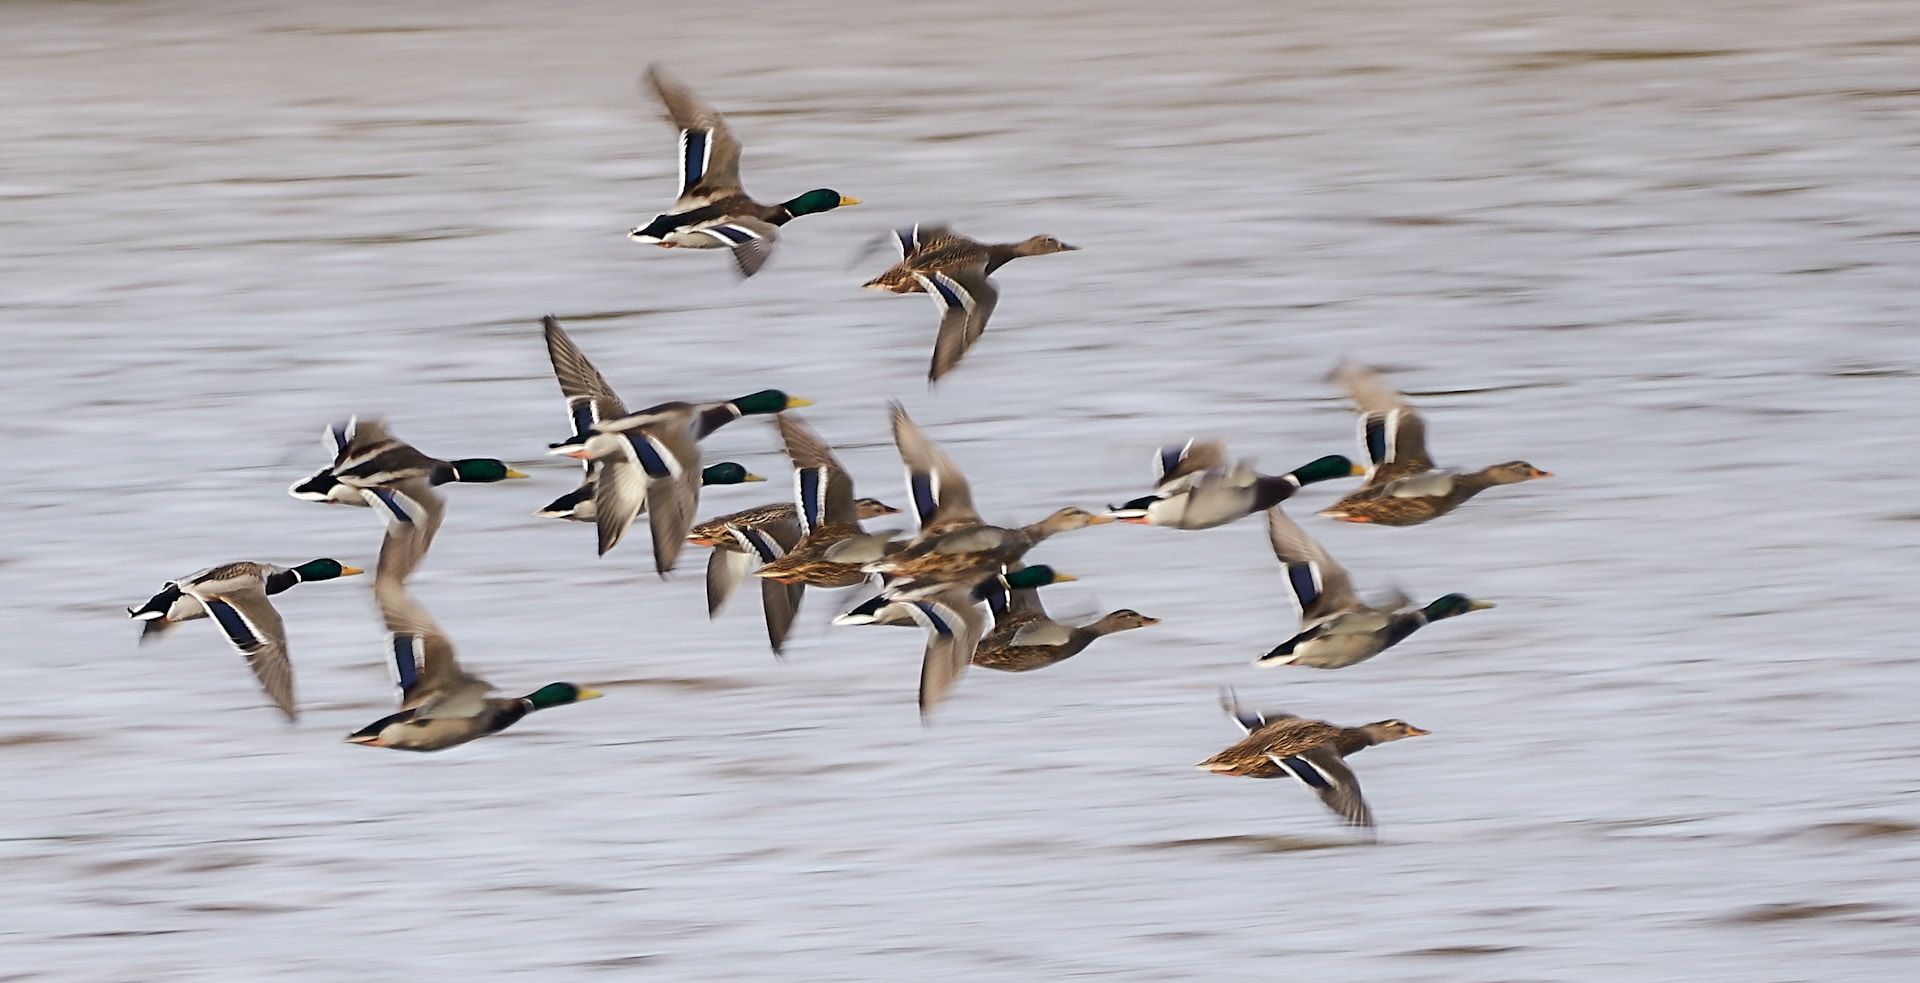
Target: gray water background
(1666, 251)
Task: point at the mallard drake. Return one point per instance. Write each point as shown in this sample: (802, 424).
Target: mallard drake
(1281, 745)
(1024, 638)
(1337, 629)
(440, 704)
(832, 546)
(1403, 488)
(577, 505)
(591, 400)
(955, 271)
(712, 211)
(235, 596)
(994, 591)
(1195, 487)
(367, 457)
(653, 448)
(954, 546)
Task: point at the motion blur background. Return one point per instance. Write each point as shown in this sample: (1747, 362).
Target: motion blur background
(1665, 251)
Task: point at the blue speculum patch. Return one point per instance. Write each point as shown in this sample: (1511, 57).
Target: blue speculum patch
(810, 481)
(406, 667)
(650, 460)
(947, 293)
(764, 545)
(1300, 579)
(932, 612)
(1305, 772)
(921, 486)
(234, 625)
(695, 163)
(1377, 439)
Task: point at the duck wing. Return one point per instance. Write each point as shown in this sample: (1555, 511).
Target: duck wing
(823, 490)
(254, 628)
(1319, 585)
(589, 398)
(414, 512)
(709, 152)
(936, 486)
(966, 298)
(1249, 720)
(1321, 769)
(1176, 465)
(954, 625)
(1392, 434)
(422, 658)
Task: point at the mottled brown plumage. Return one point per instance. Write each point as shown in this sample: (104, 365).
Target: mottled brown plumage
(713, 532)
(1281, 745)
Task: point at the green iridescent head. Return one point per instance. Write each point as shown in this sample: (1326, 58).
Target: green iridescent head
(768, 401)
(1039, 575)
(1453, 605)
(1326, 469)
(817, 200)
(727, 473)
(324, 569)
(559, 695)
(482, 470)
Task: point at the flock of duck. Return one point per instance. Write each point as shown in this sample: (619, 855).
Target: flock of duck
(962, 580)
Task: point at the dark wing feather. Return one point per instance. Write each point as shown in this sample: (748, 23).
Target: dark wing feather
(954, 626)
(1321, 769)
(823, 488)
(1392, 433)
(257, 633)
(966, 299)
(1319, 584)
(709, 153)
(1176, 461)
(750, 239)
(582, 384)
(936, 486)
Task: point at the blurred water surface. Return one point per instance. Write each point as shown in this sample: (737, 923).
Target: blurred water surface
(1665, 251)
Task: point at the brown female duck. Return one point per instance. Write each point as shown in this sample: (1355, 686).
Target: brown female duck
(955, 270)
(1282, 745)
(1403, 488)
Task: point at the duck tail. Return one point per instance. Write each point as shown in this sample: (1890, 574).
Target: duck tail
(317, 487)
(1281, 654)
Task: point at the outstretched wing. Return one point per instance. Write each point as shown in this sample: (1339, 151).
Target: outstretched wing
(953, 625)
(421, 657)
(1317, 583)
(1175, 464)
(589, 398)
(1249, 720)
(257, 633)
(1392, 433)
(750, 239)
(823, 490)
(709, 154)
(966, 299)
(673, 498)
(935, 484)
(1321, 769)
(413, 511)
